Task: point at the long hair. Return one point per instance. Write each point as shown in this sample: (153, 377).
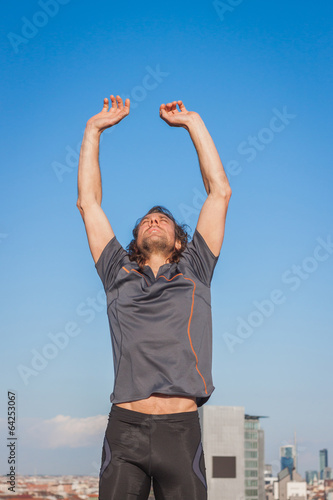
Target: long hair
(181, 235)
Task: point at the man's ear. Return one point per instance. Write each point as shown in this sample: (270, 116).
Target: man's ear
(178, 245)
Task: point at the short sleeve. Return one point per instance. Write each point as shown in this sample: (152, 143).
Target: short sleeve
(109, 262)
(200, 258)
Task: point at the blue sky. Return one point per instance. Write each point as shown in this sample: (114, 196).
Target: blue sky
(260, 75)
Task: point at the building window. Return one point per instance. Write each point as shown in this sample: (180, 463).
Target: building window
(251, 464)
(251, 493)
(251, 435)
(251, 444)
(251, 454)
(224, 467)
(251, 482)
(251, 425)
(251, 473)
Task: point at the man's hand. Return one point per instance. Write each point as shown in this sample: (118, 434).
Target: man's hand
(99, 230)
(170, 114)
(105, 118)
(213, 213)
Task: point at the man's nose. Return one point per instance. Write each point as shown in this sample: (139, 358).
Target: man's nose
(153, 220)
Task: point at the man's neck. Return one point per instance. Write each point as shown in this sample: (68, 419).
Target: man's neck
(155, 261)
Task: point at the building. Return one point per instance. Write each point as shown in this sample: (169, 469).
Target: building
(323, 462)
(254, 459)
(311, 476)
(296, 490)
(268, 470)
(270, 482)
(233, 445)
(290, 487)
(222, 429)
(327, 473)
(288, 458)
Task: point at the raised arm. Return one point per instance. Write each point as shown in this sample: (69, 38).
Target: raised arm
(211, 222)
(98, 228)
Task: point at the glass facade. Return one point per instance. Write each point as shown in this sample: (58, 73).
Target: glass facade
(323, 462)
(251, 473)
(310, 476)
(251, 464)
(251, 445)
(251, 482)
(250, 424)
(288, 458)
(251, 435)
(251, 494)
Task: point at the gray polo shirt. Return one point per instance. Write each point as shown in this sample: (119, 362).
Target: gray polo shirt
(161, 328)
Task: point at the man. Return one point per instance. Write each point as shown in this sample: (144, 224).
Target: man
(158, 304)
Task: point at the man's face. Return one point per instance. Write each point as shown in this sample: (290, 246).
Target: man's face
(156, 234)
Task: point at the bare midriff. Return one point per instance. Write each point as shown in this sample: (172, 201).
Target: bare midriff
(160, 404)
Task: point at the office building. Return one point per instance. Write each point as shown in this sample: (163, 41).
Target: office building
(323, 462)
(222, 430)
(254, 459)
(311, 476)
(288, 458)
(233, 445)
(327, 473)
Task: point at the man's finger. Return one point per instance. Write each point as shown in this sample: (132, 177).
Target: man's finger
(113, 101)
(181, 106)
(105, 104)
(127, 105)
(120, 102)
(163, 112)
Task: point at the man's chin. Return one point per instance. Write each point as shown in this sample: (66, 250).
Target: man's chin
(155, 243)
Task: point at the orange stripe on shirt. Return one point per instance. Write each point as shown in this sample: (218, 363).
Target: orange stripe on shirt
(162, 276)
(135, 271)
(189, 324)
(189, 333)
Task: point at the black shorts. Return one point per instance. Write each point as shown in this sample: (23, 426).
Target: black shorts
(165, 449)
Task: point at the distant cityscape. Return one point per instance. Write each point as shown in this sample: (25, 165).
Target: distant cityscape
(233, 444)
